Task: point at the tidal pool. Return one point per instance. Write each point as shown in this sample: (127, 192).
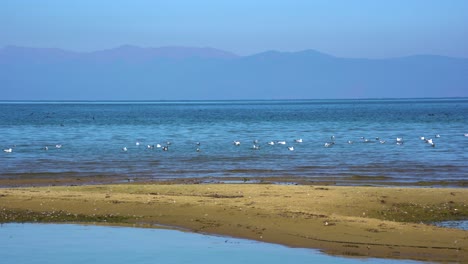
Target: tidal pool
(72, 243)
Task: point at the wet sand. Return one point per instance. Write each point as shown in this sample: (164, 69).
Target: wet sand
(384, 222)
(356, 180)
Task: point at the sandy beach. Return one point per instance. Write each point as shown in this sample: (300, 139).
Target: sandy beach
(388, 222)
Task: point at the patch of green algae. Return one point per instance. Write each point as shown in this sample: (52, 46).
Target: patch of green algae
(29, 216)
(416, 213)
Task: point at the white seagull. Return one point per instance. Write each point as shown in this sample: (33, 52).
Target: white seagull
(281, 142)
(58, 146)
(430, 142)
(298, 140)
(271, 143)
(291, 148)
(236, 143)
(124, 149)
(8, 150)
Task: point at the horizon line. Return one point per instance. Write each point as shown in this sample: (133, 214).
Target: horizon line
(232, 100)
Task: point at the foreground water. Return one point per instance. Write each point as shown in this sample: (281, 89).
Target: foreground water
(53, 243)
(91, 136)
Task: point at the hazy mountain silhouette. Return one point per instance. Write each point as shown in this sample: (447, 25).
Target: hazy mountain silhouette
(172, 73)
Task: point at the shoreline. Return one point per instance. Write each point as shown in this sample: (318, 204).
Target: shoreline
(385, 222)
(356, 180)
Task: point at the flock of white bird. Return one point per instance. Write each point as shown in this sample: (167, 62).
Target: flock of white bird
(256, 143)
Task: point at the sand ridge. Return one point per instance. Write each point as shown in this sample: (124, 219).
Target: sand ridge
(358, 221)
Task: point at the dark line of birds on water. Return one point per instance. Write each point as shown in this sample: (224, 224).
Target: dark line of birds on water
(256, 144)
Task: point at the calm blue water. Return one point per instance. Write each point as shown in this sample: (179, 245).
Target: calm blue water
(39, 243)
(92, 135)
(462, 224)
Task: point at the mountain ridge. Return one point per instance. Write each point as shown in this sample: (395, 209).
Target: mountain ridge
(128, 50)
(227, 54)
(180, 73)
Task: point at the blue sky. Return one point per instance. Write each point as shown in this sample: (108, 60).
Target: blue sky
(365, 28)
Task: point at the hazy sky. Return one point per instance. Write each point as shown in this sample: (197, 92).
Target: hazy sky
(349, 28)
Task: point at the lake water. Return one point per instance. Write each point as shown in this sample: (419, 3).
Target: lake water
(93, 134)
(67, 243)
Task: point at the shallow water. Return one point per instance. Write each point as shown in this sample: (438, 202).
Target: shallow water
(462, 224)
(67, 243)
(92, 135)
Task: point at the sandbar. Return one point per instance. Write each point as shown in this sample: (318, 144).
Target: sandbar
(385, 222)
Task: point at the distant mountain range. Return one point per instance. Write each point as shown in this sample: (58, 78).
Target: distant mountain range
(184, 73)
